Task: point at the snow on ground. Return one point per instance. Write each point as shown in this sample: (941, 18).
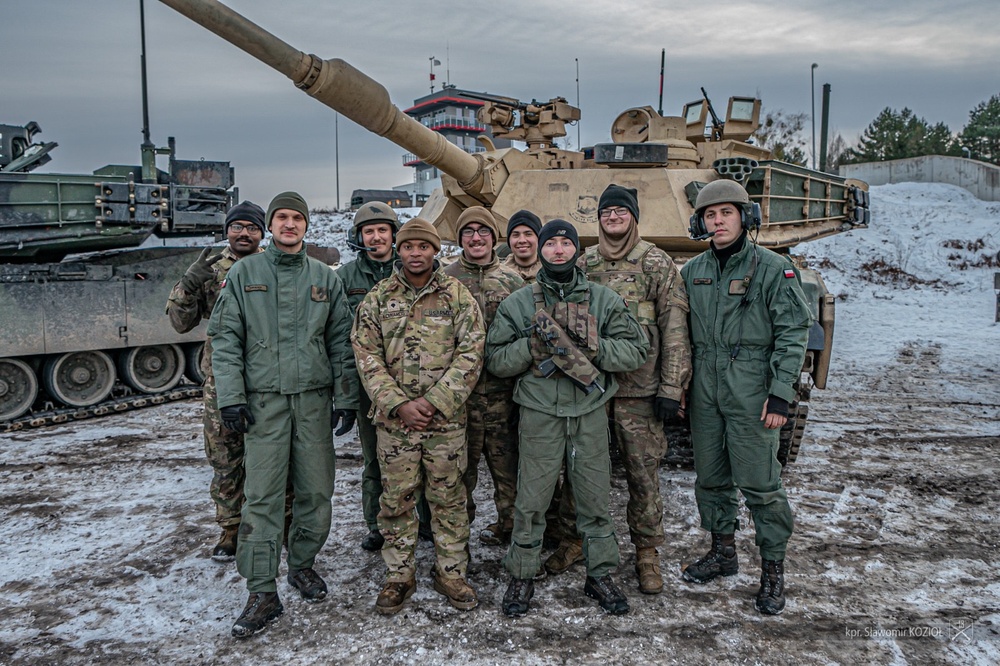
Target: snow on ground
(107, 524)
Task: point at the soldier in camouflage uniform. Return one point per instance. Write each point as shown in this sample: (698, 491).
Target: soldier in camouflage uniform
(191, 301)
(564, 382)
(418, 339)
(374, 237)
(651, 285)
(490, 407)
(522, 238)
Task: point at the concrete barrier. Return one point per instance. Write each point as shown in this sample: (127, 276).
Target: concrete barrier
(980, 178)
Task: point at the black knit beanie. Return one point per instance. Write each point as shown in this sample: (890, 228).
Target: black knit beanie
(525, 218)
(246, 212)
(616, 195)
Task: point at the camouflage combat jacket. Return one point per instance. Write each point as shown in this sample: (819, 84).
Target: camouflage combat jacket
(187, 310)
(282, 325)
(527, 274)
(419, 343)
(622, 346)
(651, 285)
(489, 284)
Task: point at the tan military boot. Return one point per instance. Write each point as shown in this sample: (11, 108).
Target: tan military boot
(497, 534)
(460, 594)
(647, 567)
(225, 549)
(394, 595)
(569, 552)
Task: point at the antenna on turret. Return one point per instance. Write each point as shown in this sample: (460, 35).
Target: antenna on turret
(148, 149)
(663, 61)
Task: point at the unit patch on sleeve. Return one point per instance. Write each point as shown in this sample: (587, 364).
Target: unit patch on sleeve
(789, 273)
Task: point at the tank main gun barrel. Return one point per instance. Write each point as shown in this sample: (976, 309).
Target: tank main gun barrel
(338, 85)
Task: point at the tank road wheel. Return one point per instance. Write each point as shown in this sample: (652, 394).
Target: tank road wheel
(152, 369)
(79, 379)
(18, 388)
(192, 362)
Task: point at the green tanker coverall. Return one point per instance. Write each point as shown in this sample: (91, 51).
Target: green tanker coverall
(280, 332)
(742, 354)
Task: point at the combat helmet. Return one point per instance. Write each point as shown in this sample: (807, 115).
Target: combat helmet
(374, 211)
(721, 191)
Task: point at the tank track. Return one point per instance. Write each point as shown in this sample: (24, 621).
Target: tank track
(122, 400)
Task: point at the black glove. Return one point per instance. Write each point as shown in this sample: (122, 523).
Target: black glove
(200, 272)
(665, 409)
(237, 418)
(346, 417)
(776, 405)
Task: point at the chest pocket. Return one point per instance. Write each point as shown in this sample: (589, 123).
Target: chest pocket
(632, 288)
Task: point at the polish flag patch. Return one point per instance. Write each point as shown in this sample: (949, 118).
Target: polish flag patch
(789, 273)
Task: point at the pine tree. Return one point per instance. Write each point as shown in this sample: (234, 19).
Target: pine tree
(982, 134)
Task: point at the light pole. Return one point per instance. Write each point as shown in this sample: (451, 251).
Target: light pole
(812, 89)
(336, 154)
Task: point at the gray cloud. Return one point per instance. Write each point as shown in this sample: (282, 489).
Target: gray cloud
(75, 69)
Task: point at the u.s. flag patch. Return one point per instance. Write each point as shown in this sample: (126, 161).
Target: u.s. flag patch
(789, 273)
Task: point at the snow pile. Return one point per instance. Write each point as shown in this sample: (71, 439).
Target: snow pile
(921, 273)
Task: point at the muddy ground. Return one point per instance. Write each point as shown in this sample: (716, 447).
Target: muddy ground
(107, 526)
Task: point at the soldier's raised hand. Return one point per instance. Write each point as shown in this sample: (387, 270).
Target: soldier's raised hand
(200, 271)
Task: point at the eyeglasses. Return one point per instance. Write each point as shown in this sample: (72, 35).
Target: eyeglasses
(621, 211)
(251, 229)
(469, 232)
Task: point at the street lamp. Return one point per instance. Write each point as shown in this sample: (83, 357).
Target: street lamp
(812, 81)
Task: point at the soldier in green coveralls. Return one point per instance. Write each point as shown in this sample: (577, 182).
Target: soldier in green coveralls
(564, 338)
(749, 322)
(281, 350)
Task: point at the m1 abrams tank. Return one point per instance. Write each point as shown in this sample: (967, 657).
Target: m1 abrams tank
(667, 159)
(83, 330)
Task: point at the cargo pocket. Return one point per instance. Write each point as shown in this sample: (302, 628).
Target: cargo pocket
(263, 564)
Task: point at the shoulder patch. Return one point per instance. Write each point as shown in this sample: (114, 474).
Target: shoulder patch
(255, 287)
(702, 281)
(789, 273)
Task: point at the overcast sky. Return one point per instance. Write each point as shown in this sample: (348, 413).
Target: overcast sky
(73, 66)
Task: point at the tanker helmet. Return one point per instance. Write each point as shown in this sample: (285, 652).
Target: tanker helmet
(374, 211)
(719, 192)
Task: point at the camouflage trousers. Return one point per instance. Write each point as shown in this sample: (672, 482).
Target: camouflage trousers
(642, 444)
(292, 438)
(371, 477)
(433, 462)
(488, 432)
(224, 450)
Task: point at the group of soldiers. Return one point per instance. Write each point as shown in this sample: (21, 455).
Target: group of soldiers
(530, 362)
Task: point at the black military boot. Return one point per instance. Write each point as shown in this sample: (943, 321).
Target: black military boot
(609, 595)
(262, 608)
(720, 560)
(771, 595)
(225, 549)
(374, 541)
(517, 597)
(308, 583)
